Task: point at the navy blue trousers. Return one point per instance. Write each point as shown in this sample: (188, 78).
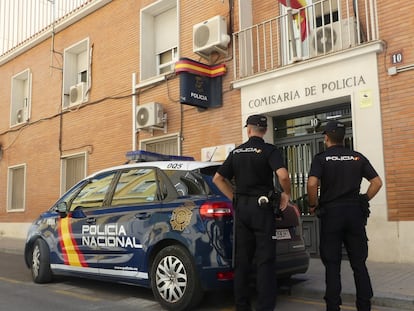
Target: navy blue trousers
(345, 225)
(254, 228)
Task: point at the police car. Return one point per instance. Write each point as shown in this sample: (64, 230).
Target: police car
(159, 224)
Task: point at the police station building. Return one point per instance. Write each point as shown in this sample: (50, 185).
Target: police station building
(301, 99)
(360, 84)
(78, 94)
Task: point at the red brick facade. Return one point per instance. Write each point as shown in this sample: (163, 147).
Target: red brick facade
(102, 126)
(397, 98)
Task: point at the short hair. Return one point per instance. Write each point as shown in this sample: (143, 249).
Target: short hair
(336, 137)
(258, 129)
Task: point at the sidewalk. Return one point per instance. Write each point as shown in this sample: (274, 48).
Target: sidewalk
(11, 245)
(393, 283)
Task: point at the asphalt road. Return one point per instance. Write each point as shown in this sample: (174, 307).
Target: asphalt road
(18, 292)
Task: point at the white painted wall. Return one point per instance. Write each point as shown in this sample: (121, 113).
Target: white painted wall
(312, 84)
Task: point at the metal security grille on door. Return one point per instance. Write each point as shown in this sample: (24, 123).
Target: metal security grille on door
(298, 158)
(299, 137)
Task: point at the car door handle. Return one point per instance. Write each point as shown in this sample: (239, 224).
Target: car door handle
(143, 215)
(91, 220)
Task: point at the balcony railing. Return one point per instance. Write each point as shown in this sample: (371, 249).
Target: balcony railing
(321, 28)
(22, 20)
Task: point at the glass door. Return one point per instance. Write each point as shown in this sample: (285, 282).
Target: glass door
(298, 157)
(299, 138)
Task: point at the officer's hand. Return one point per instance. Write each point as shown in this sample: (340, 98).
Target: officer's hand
(284, 200)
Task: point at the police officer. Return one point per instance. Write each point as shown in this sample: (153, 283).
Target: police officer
(343, 212)
(252, 165)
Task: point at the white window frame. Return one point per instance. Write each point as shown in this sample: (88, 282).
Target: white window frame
(150, 65)
(76, 70)
(63, 164)
(21, 98)
(168, 66)
(10, 189)
(175, 136)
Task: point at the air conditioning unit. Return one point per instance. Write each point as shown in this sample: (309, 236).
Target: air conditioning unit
(149, 114)
(211, 35)
(22, 115)
(77, 94)
(333, 37)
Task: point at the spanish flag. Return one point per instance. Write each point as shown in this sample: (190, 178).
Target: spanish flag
(301, 17)
(188, 65)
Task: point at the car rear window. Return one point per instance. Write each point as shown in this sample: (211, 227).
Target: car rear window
(188, 182)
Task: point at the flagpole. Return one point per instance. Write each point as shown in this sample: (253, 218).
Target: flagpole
(290, 31)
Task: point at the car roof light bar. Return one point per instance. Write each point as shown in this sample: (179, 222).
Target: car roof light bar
(147, 156)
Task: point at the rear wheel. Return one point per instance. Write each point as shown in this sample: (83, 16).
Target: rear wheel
(40, 266)
(174, 279)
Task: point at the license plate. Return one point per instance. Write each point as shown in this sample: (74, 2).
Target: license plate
(282, 234)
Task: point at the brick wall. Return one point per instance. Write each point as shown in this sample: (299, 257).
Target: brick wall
(397, 96)
(102, 127)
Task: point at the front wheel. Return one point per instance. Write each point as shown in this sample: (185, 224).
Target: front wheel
(40, 266)
(174, 279)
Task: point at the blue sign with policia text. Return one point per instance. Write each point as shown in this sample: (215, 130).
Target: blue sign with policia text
(200, 84)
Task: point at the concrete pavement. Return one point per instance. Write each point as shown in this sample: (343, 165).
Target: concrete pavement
(393, 283)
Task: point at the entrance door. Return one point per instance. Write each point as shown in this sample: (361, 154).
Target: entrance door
(298, 157)
(299, 137)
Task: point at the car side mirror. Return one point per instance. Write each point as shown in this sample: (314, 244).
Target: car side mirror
(62, 208)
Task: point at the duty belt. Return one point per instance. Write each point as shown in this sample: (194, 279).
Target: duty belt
(253, 194)
(340, 202)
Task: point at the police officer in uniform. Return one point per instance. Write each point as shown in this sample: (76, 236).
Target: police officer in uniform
(343, 213)
(252, 166)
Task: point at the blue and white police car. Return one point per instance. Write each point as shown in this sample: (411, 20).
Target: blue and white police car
(159, 224)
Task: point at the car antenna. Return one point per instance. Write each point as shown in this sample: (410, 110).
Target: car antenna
(212, 155)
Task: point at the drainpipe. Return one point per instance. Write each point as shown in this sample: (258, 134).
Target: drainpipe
(134, 112)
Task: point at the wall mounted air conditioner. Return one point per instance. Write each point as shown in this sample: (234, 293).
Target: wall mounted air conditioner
(77, 93)
(211, 36)
(22, 115)
(333, 37)
(149, 114)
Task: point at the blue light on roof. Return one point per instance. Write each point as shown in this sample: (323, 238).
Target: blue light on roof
(147, 156)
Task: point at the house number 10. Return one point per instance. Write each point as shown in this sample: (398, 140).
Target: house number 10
(397, 58)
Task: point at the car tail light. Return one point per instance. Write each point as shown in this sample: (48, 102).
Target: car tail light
(225, 276)
(216, 209)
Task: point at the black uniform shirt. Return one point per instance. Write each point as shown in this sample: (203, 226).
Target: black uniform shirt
(252, 164)
(340, 171)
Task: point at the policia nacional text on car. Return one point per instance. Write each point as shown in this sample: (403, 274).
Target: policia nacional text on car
(343, 213)
(252, 166)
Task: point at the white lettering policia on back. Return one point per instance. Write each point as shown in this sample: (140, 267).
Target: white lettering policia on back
(342, 158)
